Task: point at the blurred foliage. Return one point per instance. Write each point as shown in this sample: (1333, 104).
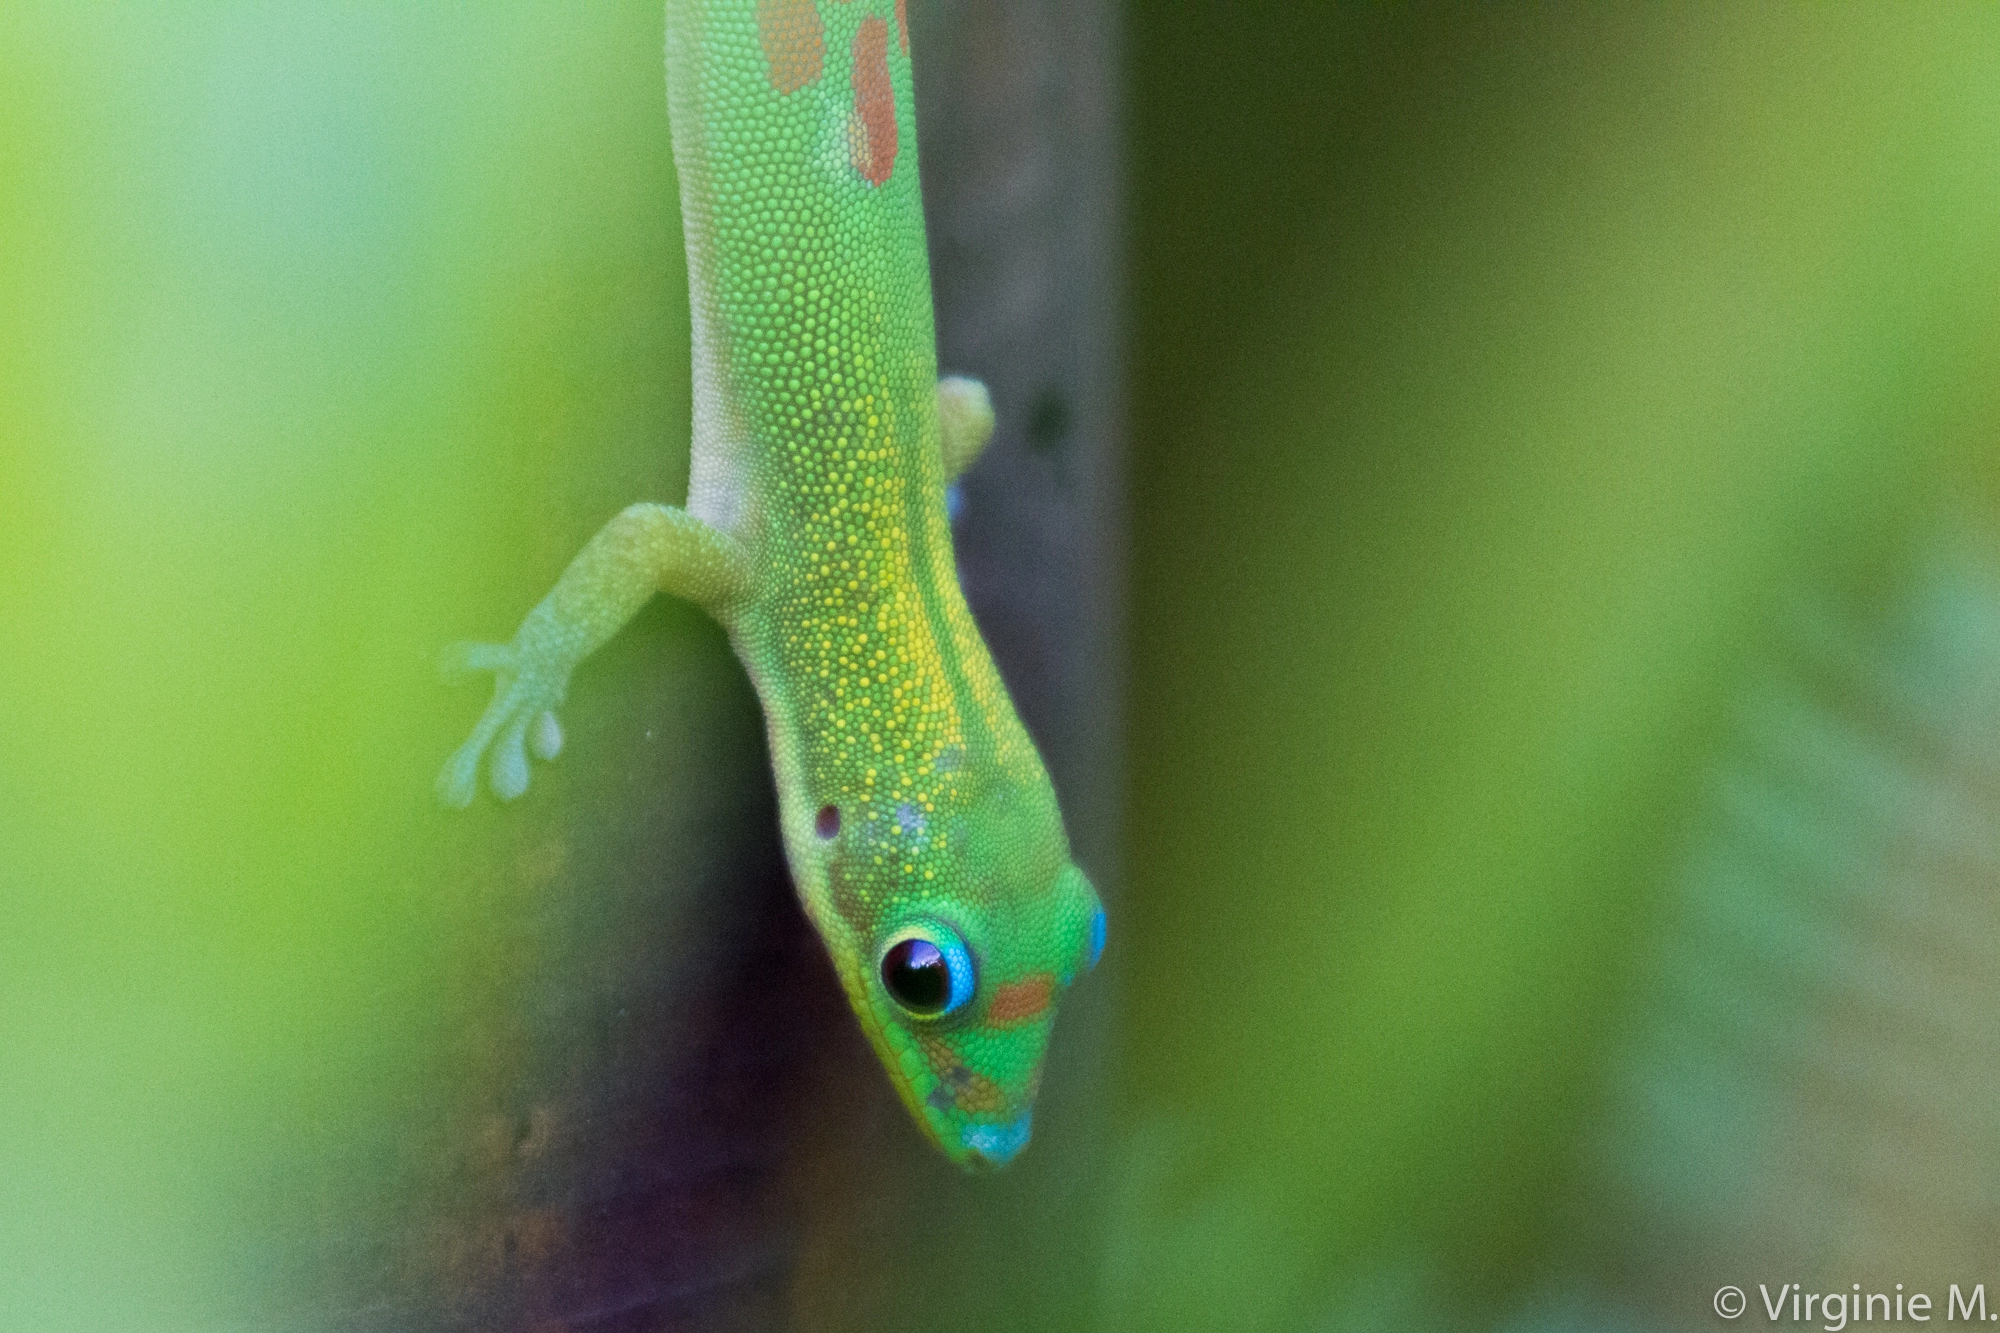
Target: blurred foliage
(1811, 1080)
(306, 311)
(1494, 372)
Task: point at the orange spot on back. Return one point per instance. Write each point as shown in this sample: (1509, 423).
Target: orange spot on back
(1021, 999)
(871, 130)
(794, 42)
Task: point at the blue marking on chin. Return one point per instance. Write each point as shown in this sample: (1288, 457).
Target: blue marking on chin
(954, 502)
(1000, 1144)
(1097, 933)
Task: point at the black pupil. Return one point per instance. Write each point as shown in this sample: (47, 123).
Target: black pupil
(916, 974)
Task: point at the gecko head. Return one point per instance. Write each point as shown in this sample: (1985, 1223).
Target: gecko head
(956, 975)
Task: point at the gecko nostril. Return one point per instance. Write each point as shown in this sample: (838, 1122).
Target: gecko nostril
(827, 823)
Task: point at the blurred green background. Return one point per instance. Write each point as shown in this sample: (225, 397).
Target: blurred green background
(1495, 376)
(306, 309)
(1491, 377)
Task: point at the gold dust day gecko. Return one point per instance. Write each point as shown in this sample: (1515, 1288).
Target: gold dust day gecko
(921, 828)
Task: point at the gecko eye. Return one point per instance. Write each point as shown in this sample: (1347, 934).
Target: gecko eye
(927, 970)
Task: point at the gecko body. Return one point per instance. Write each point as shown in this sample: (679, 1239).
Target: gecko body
(921, 828)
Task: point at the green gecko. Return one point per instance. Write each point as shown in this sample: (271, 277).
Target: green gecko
(921, 828)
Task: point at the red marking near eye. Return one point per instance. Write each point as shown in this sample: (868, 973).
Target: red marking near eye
(794, 42)
(871, 130)
(1021, 999)
(903, 23)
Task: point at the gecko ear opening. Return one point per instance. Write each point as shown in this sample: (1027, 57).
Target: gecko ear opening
(1095, 948)
(827, 822)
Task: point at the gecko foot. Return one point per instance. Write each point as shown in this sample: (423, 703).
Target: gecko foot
(520, 718)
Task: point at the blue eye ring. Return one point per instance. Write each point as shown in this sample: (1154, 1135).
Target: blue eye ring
(1098, 928)
(927, 970)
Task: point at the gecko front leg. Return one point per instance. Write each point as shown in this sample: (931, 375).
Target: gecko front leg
(965, 423)
(646, 549)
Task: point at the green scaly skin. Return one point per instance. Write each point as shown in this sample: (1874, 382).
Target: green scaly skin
(911, 798)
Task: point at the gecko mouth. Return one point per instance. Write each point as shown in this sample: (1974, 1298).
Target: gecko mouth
(997, 1145)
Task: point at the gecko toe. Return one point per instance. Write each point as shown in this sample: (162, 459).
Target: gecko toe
(466, 659)
(458, 781)
(546, 738)
(509, 769)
